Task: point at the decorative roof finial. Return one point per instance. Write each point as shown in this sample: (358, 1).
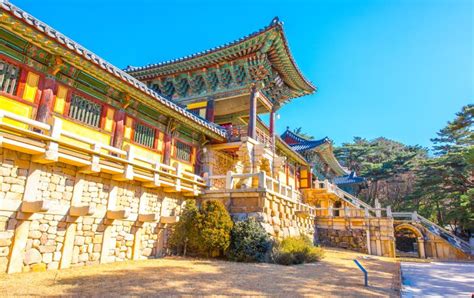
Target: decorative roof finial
(275, 20)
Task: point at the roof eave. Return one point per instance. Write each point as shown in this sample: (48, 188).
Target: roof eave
(210, 129)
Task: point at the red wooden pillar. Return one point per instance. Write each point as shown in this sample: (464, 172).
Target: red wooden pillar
(210, 110)
(252, 128)
(119, 129)
(45, 105)
(167, 149)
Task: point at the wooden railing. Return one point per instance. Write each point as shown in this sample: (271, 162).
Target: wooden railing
(50, 143)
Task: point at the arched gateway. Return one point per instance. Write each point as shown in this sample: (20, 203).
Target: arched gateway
(409, 239)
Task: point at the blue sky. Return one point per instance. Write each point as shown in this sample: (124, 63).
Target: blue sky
(398, 69)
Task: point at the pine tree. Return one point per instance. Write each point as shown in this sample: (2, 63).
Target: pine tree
(444, 190)
(185, 237)
(214, 225)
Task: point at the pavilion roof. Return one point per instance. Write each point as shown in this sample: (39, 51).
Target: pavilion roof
(75, 49)
(323, 147)
(270, 39)
(351, 178)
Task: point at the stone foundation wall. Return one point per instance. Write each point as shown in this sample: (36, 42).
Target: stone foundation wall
(53, 239)
(277, 216)
(355, 239)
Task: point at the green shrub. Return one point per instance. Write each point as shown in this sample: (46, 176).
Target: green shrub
(297, 250)
(214, 226)
(249, 242)
(185, 236)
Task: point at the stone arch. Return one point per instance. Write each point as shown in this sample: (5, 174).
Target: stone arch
(420, 239)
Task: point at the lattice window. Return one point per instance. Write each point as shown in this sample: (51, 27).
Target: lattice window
(183, 151)
(9, 75)
(85, 111)
(144, 135)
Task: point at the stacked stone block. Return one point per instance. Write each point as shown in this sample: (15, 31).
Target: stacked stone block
(45, 241)
(56, 183)
(13, 173)
(355, 239)
(279, 217)
(38, 240)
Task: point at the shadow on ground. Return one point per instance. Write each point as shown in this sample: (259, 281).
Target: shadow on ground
(333, 276)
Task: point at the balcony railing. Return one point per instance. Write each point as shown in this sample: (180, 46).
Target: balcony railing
(235, 181)
(47, 144)
(353, 212)
(345, 196)
(235, 133)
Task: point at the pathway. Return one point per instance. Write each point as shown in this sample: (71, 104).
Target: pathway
(437, 279)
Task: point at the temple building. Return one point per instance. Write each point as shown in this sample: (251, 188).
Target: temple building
(96, 162)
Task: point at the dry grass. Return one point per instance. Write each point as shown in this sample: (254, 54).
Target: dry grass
(336, 274)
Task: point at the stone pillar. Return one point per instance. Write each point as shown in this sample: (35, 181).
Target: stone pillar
(23, 227)
(119, 129)
(210, 110)
(68, 245)
(45, 105)
(252, 128)
(421, 248)
(272, 126)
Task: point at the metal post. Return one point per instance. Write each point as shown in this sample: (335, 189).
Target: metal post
(366, 276)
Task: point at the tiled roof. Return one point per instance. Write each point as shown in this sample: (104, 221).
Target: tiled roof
(234, 48)
(93, 58)
(352, 178)
(306, 145)
(299, 143)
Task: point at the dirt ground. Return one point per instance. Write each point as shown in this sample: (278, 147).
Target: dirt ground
(336, 274)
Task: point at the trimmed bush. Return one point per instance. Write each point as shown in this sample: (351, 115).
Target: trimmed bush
(249, 242)
(214, 226)
(185, 236)
(297, 250)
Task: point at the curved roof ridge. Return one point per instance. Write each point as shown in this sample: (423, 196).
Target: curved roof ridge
(274, 23)
(102, 63)
(300, 139)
